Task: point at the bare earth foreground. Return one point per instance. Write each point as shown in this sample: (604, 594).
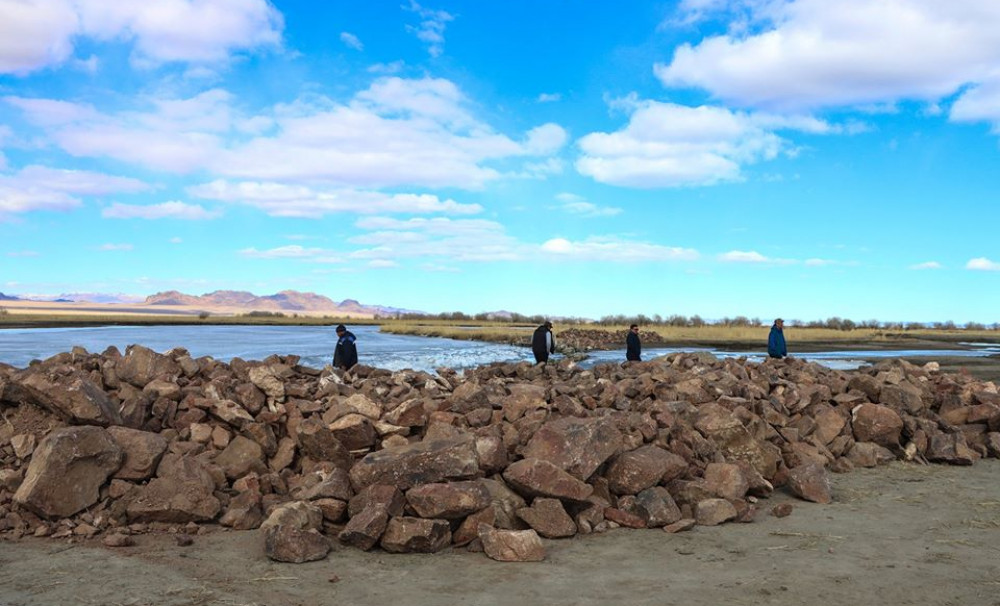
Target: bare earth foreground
(898, 534)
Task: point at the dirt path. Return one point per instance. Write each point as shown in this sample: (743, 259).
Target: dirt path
(901, 534)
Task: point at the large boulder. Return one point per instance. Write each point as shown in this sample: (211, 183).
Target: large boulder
(416, 535)
(142, 449)
(67, 471)
(633, 471)
(537, 478)
(141, 365)
(317, 442)
(511, 545)
(450, 501)
(182, 492)
(576, 445)
(810, 482)
(548, 518)
(419, 463)
(291, 533)
(878, 424)
(73, 396)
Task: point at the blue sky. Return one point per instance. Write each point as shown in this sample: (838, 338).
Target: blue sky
(764, 158)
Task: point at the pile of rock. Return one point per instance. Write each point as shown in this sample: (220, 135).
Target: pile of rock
(493, 459)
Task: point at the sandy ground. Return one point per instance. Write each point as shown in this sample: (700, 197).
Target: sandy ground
(901, 534)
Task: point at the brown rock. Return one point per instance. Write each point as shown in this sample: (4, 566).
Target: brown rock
(633, 471)
(318, 443)
(656, 507)
(878, 424)
(243, 512)
(416, 535)
(23, 444)
(869, 454)
(420, 463)
(267, 379)
(73, 397)
(141, 365)
(67, 470)
(829, 424)
(511, 545)
(578, 446)
(468, 530)
(536, 478)
(810, 482)
(142, 449)
(295, 545)
(623, 518)
(355, 431)
(182, 492)
(333, 509)
(782, 510)
(548, 518)
(951, 449)
(712, 512)
(365, 529)
(734, 441)
(726, 481)
(450, 501)
(389, 497)
(241, 457)
(230, 412)
(523, 397)
(680, 525)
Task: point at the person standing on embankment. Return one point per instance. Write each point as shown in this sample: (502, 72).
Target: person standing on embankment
(543, 342)
(776, 347)
(633, 346)
(346, 353)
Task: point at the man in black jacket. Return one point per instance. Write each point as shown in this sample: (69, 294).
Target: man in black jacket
(633, 347)
(543, 343)
(346, 354)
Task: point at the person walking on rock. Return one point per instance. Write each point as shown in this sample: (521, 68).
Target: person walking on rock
(776, 340)
(633, 346)
(543, 342)
(345, 355)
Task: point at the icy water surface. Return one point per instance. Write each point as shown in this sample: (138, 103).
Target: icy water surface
(314, 344)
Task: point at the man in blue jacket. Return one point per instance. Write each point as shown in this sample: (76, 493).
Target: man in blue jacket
(346, 354)
(633, 347)
(776, 340)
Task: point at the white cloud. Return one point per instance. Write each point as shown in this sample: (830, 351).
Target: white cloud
(351, 41)
(549, 97)
(431, 27)
(39, 33)
(808, 54)
(115, 247)
(669, 145)
(36, 188)
(982, 264)
(615, 250)
(281, 200)
(452, 239)
(979, 103)
(577, 205)
(927, 265)
(23, 253)
(395, 133)
(176, 240)
(387, 68)
(166, 210)
(545, 139)
(751, 256)
(382, 264)
(286, 252)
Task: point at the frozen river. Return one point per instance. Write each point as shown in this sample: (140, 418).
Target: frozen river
(314, 344)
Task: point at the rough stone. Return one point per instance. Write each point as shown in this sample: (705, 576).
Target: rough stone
(536, 478)
(424, 462)
(142, 452)
(450, 501)
(67, 471)
(576, 445)
(810, 482)
(416, 535)
(511, 545)
(712, 512)
(878, 424)
(548, 518)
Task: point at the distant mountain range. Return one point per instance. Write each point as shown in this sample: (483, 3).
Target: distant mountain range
(284, 301)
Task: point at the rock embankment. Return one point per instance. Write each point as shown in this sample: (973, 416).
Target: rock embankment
(492, 460)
